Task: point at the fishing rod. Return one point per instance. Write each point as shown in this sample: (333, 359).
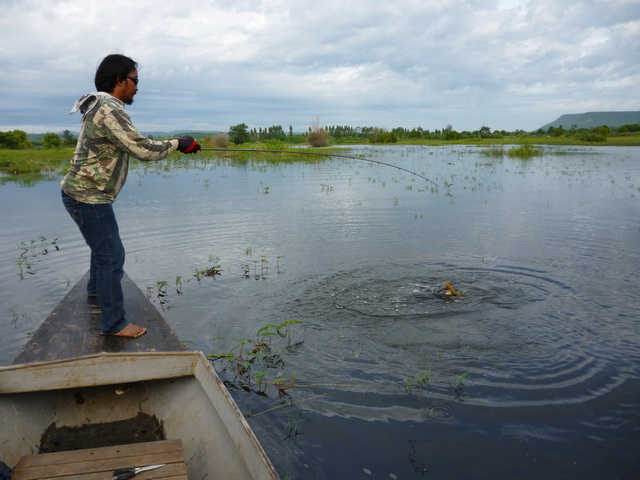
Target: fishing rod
(302, 152)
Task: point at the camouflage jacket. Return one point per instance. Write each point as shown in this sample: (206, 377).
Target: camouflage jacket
(101, 160)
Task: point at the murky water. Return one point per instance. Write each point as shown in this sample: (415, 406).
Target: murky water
(532, 373)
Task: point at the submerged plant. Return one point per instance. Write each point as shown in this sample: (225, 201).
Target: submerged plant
(245, 270)
(161, 293)
(448, 186)
(24, 267)
(456, 382)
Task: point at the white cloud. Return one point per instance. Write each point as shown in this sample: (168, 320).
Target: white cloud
(507, 64)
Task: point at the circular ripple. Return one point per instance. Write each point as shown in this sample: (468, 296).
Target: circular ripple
(523, 336)
(523, 433)
(441, 413)
(401, 290)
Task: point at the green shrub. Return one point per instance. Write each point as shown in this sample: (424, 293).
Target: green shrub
(318, 138)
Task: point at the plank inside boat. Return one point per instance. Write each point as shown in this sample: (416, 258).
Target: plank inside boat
(100, 463)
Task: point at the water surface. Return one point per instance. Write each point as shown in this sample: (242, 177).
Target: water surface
(533, 373)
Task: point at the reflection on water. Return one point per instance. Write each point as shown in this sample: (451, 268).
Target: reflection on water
(532, 373)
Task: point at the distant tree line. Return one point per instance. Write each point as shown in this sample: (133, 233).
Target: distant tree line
(19, 140)
(316, 135)
(241, 133)
(320, 136)
(15, 140)
(596, 134)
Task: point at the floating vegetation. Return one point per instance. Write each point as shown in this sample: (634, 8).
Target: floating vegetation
(252, 361)
(212, 271)
(159, 292)
(208, 272)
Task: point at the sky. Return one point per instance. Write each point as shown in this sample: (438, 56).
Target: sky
(206, 65)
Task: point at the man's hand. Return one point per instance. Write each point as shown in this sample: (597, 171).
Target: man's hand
(187, 144)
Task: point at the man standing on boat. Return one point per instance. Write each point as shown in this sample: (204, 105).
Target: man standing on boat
(98, 171)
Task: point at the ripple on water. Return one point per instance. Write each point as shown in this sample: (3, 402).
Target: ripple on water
(521, 432)
(521, 334)
(440, 413)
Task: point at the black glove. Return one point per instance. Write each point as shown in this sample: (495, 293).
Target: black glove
(187, 144)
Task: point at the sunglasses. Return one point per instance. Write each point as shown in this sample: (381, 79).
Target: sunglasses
(134, 80)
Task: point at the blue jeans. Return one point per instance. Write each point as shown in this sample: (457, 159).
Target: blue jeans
(99, 228)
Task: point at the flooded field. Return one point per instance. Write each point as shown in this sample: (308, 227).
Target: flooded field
(335, 265)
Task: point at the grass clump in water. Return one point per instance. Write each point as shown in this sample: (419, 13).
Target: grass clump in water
(526, 150)
(494, 151)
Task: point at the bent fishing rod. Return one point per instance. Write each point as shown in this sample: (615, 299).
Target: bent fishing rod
(302, 152)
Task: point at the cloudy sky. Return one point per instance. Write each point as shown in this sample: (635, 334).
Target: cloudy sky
(210, 64)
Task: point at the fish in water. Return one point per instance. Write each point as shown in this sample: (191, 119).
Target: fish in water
(448, 292)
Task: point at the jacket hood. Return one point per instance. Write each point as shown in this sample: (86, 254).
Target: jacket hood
(89, 100)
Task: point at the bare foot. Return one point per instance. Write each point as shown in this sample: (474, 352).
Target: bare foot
(131, 330)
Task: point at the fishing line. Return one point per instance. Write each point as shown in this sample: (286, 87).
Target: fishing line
(301, 152)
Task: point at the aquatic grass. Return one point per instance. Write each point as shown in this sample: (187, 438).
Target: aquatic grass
(456, 382)
(526, 150)
(293, 427)
(493, 151)
(211, 271)
(36, 247)
(24, 267)
(245, 270)
(31, 161)
(421, 379)
(161, 294)
(252, 360)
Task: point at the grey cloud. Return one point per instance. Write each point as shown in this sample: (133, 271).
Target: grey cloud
(507, 64)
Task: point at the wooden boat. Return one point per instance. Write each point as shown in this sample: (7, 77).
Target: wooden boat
(179, 389)
(127, 408)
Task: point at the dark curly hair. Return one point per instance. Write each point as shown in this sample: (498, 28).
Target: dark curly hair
(113, 69)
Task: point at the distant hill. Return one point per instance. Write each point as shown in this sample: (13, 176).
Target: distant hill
(594, 119)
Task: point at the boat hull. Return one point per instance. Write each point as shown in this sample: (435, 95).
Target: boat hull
(180, 389)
